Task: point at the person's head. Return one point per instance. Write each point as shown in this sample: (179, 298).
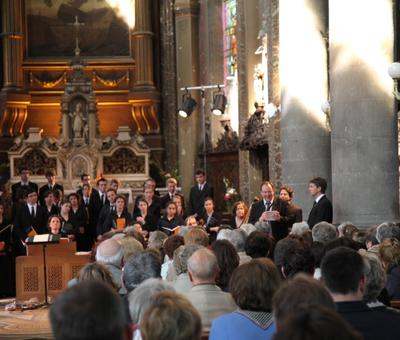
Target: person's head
(130, 246)
(114, 184)
(171, 185)
(140, 267)
(101, 184)
(86, 190)
(89, 310)
(282, 247)
(375, 275)
(58, 196)
(54, 224)
(179, 201)
(298, 260)
(209, 205)
(156, 239)
(109, 252)
(237, 237)
(170, 316)
(181, 256)
(239, 209)
(148, 194)
(24, 174)
(324, 232)
(347, 225)
(316, 322)
(50, 176)
(370, 238)
(172, 243)
(267, 191)
(286, 193)
(85, 178)
(227, 258)
(150, 183)
(143, 295)
(299, 228)
(200, 176)
(196, 235)
(96, 272)
(258, 244)
(65, 208)
(317, 186)
(48, 198)
(143, 205)
(191, 221)
(120, 203)
(342, 271)
(301, 291)
(318, 251)
(31, 196)
(171, 209)
(387, 230)
(248, 228)
(202, 267)
(389, 252)
(253, 285)
(111, 195)
(74, 199)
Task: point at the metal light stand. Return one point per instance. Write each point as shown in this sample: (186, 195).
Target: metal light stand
(202, 89)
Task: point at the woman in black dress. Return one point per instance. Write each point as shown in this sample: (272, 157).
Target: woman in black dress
(170, 220)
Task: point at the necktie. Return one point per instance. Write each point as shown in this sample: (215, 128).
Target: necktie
(102, 198)
(86, 201)
(50, 187)
(267, 205)
(200, 187)
(315, 203)
(33, 211)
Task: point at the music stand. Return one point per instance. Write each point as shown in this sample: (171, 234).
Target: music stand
(44, 240)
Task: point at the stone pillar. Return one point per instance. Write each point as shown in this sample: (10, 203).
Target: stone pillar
(247, 31)
(305, 134)
(13, 44)
(142, 43)
(187, 51)
(365, 165)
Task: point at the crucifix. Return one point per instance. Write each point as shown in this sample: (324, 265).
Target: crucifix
(77, 24)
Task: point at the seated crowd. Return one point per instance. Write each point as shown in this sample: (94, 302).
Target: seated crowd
(268, 275)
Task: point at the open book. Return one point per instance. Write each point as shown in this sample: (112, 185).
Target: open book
(171, 230)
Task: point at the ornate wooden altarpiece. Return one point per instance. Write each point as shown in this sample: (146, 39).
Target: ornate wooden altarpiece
(38, 44)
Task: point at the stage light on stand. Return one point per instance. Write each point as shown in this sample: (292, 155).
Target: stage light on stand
(187, 106)
(219, 104)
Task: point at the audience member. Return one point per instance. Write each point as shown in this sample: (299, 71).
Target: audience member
(257, 244)
(389, 253)
(171, 316)
(318, 251)
(252, 285)
(343, 272)
(228, 261)
(130, 246)
(205, 295)
(324, 232)
(282, 247)
(96, 272)
(182, 282)
(387, 230)
(89, 310)
(238, 239)
(170, 245)
(248, 228)
(196, 235)
(299, 228)
(297, 260)
(139, 268)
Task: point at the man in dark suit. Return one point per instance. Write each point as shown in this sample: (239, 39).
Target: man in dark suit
(98, 199)
(49, 186)
(29, 216)
(322, 208)
(171, 191)
(343, 273)
(199, 192)
(105, 211)
(24, 184)
(271, 210)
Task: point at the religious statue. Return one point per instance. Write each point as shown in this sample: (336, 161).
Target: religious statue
(256, 129)
(78, 121)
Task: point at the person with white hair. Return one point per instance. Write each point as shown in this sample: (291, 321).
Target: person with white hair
(248, 228)
(238, 238)
(387, 230)
(324, 232)
(205, 295)
(299, 228)
(109, 253)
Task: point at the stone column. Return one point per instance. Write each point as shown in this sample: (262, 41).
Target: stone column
(305, 134)
(247, 31)
(187, 70)
(142, 43)
(364, 130)
(13, 44)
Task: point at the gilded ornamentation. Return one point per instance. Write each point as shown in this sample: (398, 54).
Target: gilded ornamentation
(111, 82)
(47, 84)
(36, 161)
(124, 161)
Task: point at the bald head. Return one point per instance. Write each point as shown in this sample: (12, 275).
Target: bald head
(109, 252)
(203, 266)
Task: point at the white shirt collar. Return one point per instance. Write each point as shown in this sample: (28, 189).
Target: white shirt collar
(319, 198)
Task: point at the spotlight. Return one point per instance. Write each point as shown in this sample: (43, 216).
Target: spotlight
(187, 106)
(219, 104)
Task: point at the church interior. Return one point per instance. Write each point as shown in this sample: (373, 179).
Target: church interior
(238, 91)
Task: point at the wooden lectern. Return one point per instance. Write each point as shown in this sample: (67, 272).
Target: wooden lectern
(61, 263)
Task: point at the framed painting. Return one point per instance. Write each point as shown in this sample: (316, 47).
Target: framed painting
(51, 34)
